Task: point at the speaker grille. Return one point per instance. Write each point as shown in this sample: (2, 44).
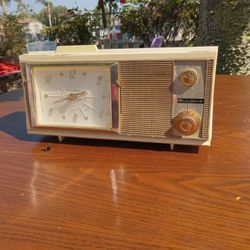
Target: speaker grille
(145, 97)
(208, 96)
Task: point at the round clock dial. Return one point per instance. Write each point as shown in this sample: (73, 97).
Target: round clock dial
(73, 96)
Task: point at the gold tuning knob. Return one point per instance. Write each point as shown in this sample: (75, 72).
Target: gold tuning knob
(188, 77)
(187, 122)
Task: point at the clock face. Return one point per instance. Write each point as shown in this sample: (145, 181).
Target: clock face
(73, 96)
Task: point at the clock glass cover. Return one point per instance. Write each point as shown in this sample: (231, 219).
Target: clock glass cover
(72, 96)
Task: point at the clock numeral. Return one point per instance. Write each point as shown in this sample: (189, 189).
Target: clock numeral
(50, 111)
(48, 79)
(101, 114)
(99, 79)
(72, 74)
(75, 117)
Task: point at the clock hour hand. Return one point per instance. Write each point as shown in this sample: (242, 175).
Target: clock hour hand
(72, 96)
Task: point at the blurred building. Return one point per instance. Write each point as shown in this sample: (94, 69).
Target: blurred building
(116, 39)
(32, 28)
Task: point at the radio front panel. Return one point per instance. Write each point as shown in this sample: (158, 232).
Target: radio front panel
(152, 99)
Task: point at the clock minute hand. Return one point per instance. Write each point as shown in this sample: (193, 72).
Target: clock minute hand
(80, 94)
(72, 96)
(60, 100)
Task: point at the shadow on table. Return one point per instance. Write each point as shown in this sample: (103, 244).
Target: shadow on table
(15, 124)
(14, 95)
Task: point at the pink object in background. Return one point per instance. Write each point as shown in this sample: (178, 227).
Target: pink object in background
(114, 92)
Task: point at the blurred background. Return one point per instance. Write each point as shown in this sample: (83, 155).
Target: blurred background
(27, 25)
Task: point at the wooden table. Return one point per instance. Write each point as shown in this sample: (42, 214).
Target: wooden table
(88, 194)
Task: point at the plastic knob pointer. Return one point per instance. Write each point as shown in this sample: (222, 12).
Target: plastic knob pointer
(187, 122)
(188, 77)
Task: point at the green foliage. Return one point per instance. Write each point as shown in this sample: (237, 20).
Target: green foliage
(59, 14)
(95, 23)
(146, 18)
(3, 4)
(107, 7)
(74, 30)
(13, 38)
(226, 24)
(23, 9)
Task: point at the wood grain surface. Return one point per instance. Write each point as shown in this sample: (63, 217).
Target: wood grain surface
(90, 194)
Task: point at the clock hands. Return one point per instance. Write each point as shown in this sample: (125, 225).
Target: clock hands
(72, 97)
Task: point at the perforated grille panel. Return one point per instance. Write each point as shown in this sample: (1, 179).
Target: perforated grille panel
(145, 97)
(207, 101)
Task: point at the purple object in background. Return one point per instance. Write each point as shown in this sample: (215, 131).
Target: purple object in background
(157, 42)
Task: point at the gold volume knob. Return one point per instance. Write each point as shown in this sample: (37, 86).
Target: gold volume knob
(188, 77)
(187, 122)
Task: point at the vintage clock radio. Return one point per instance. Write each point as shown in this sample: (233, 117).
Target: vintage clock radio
(161, 95)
